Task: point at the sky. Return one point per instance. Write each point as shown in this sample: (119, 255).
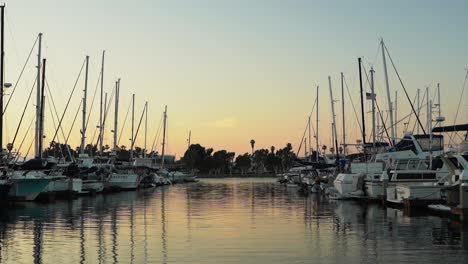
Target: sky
(232, 71)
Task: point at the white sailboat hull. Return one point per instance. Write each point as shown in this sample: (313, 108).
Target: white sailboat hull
(124, 181)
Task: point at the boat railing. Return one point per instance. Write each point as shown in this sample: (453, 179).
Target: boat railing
(408, 164)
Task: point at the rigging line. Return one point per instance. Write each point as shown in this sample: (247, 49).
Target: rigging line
(53, 120)
(92, 101)
(156, 137)
(383, 123)
(20, 75)
(302, 140)
(352, 103)
(411, 114)
(107, 107)
(139, 124)
(310, 115)
(421, 106)
(73, 123)
(25, 135)
(404, 89)
(29, 149)
(94, 134)
(69, 98)
(22, 115)
(52, 102)
(125, 121)
(459, 103)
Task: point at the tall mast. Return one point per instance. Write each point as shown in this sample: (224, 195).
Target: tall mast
(396, 113)
(305, 147)
(2, 70)
(335, 136)
(83, 125)
(430, 133)
(146, 126)
(101, 114)
(310, 135)
(189, 138)
(389, 99)
(419, 108)
(164, 137)
(343, 113)
(104, 121)
(116, 114)
(362, 105)
(41, 119)
(373, 105)
(317, 147)
(438, 100)
(378, 126)
(133, 127)
(37, 153)
(428, 110)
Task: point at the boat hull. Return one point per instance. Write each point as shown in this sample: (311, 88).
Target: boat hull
(92, 187)
(122, 181)
(27, 189)
(63, 188)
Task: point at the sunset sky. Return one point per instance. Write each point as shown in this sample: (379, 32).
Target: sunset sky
(230, 71)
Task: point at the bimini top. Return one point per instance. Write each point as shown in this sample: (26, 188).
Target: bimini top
(454, 128)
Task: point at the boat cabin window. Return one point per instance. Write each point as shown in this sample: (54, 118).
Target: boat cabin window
(416, 176)
(455, 162)
(465, 157)
(405, 143)
(426, 145)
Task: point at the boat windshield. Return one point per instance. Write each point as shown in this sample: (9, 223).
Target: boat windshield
(426, 145)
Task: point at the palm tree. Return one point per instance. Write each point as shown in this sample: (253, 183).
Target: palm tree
(252, 144)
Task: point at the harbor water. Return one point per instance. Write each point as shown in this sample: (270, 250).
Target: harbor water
(254, 220)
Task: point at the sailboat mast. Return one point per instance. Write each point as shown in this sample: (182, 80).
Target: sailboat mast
(41, 120)
(37, 153)
(83, 125)
(189, 138)
(146, 127)
(438, 100)
(2, 65)
(101, 114)
(428, 110)
(343, 113)
(389, 99)
(396, 113)
(305, 147)
(164, 137)
(362, 105)
(419, 108)
(317, 127)
(373, 105)
(116, 114)
(335, 136)
(310, 144)
(133, 127)
(104, 121)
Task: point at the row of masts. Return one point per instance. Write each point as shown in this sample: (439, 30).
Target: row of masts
(40, 107)
(377, 117)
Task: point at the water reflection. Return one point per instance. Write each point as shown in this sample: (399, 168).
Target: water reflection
(227, 220)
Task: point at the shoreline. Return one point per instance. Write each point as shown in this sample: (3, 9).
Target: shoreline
(250, 175)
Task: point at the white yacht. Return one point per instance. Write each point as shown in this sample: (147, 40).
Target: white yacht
(123, 178)
(367, 179)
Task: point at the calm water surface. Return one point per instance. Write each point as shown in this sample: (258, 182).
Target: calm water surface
(224, 221)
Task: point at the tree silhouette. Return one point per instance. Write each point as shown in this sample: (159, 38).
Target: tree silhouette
(252, 144)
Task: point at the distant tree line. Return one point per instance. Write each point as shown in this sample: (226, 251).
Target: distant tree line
(206, 160)
(63, 151)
